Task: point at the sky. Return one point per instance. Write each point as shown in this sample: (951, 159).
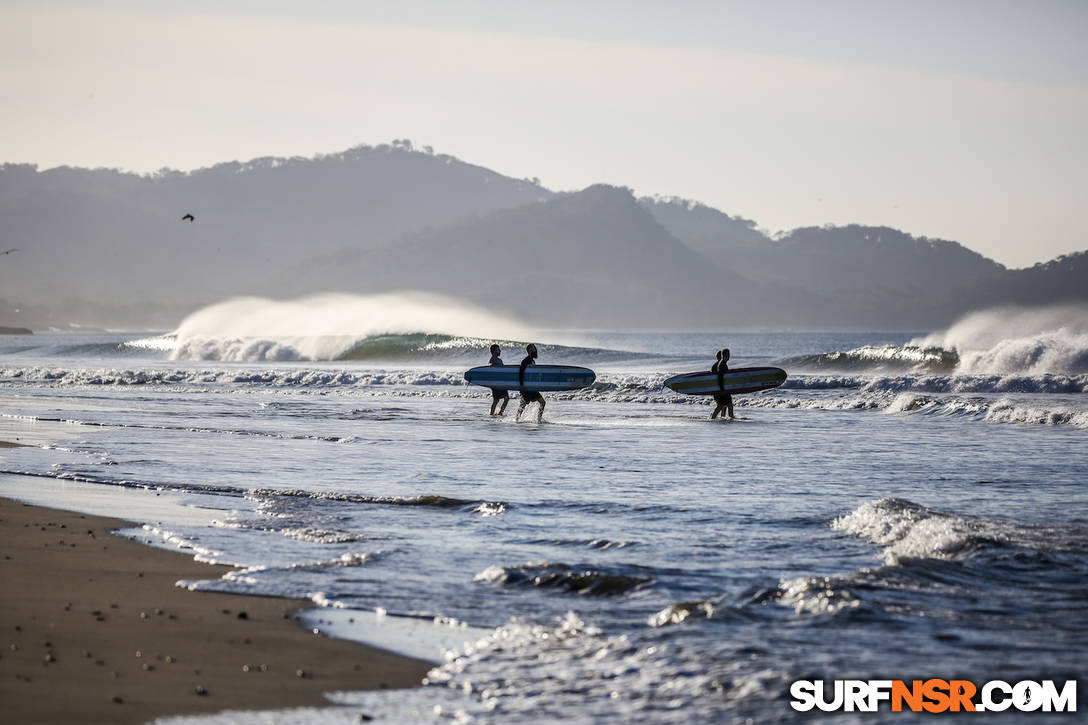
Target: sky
(958, 119)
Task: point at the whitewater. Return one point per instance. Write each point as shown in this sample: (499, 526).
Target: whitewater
(906, 505)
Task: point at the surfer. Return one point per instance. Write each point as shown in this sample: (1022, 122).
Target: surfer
(723, 399)
(496, 394)
(529, 396)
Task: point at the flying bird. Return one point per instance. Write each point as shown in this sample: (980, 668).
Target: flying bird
(188, 217)
(8, 252)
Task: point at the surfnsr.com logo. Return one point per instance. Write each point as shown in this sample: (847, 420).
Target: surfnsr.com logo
(933, 695)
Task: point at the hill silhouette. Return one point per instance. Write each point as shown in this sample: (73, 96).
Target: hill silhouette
(115, 238)
(105, 247)
(825, 259)
(594, 255)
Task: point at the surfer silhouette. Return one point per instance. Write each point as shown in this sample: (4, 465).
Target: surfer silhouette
(723, 399)
(529, 396)
(496, 394)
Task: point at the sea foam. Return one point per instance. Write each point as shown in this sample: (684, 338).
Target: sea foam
(1012, 340)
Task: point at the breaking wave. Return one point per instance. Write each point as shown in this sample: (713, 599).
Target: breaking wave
(880, 358)
(999, 341)
(394, 327)
(1016, 340)
(580, 580)
(924, 549)
(328, 326)
(905, 528)
(400, 348)
(485, 508)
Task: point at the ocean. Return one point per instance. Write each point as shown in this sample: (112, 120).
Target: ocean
(906, 505)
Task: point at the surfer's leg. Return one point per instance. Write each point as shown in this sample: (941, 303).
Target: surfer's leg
(496, 396)
(540, 412)
(729, 405)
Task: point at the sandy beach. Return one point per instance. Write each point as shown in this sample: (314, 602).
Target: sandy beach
(95, 630)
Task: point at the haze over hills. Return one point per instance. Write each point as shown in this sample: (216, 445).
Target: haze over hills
(589, 255)
(117, 238)
(825, 259)
(109, 248)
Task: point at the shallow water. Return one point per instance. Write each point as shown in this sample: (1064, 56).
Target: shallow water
(628, 559)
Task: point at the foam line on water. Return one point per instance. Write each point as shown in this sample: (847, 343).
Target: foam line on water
(133, 504)
(424, 638)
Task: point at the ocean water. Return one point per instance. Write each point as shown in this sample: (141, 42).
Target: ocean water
(898, 509)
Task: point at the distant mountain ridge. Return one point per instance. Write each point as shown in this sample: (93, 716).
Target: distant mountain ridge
(390, 217)
(117, 237)
(824, 259)
(589, 255)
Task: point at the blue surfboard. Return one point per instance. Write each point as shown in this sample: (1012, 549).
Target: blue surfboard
(541, 378)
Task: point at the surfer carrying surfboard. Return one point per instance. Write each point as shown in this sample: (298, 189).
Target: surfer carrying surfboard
(723, 399)
(497, 394)
(723, 382)
(529, 396)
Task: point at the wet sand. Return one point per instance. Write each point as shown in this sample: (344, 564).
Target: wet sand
(93, 629)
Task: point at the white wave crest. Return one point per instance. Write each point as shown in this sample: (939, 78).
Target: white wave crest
(543, 673)
(325, 326)
(1014, 340)
(906, 529)
(159, 343)
(817, 595)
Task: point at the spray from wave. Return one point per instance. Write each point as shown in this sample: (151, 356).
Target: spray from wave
(1007, 340)
(330, 326)
(998, 341)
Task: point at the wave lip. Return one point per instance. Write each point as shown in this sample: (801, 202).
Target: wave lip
(907, 529)
(580, 580)
(486, 508)
(157, 343)
(877, 358)
(411, 347)
(681, 612)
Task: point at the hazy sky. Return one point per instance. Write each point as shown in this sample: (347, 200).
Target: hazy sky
(963, 120)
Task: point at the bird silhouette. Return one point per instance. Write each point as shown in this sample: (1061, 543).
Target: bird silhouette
(8, 252)
(188, 217)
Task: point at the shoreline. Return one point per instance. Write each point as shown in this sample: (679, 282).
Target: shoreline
(96, 631)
